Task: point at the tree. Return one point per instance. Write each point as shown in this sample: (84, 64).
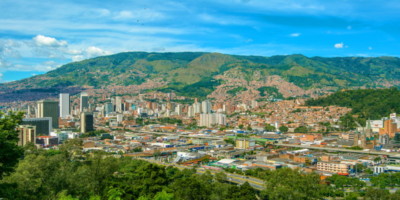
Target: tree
(269, 128)
(163, 195)
(377, 159)
(249, 128)
(10, 152)
(376, 194)
(283, 129)
(301, 129)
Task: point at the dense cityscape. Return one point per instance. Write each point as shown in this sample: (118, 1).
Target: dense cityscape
(171, 130)
(199, 100)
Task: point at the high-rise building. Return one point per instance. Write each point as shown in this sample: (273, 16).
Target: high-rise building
(196, 107)
(47, 108)
(389, 127)
(87, 121)
(108, 108)
(206, 106)
(178, 109)
(26, 134)
(190, 112)
(64, 105)
(211, 119)
(118, 104)
(43, 125)
(84, 102)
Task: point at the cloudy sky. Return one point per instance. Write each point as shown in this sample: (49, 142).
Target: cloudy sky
(38, 36)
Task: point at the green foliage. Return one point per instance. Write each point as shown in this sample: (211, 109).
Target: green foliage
(386, 180)
(301, 129)
(236, 90)
(269, 128)
(73, 175)
(92, 133)
(283, 129)
(342, 182)
(366, 103)
(230, 141)
(292, 184)
(355, 148)
(9, 151)
(192, 73)
(198, 89)
(270, 91)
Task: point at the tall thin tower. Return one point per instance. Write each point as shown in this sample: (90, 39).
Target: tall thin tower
(84, 103)
(64, 105)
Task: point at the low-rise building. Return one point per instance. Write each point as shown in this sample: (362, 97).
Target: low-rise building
(334, 167)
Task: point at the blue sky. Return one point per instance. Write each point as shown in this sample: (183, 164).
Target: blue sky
(38, 36)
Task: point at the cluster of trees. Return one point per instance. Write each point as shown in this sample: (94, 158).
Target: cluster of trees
(236, 90)
(365, 104)
(69, 174)
(271, 91)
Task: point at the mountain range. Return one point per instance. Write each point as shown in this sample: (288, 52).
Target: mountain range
(211, 75)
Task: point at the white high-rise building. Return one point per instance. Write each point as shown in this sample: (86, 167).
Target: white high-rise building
(211, 119)
(206, 106)
(64, 105)
(178, 109)
(197, 107)
(84, 103)
(118, 104)
(190, 112)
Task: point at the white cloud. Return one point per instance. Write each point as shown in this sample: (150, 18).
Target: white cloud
(339, 45)
(1, 76)
(140, 15)
(89, 52)
(93, 51)
(295, 34)
(369, 48)
(41, 40)
(124, 15)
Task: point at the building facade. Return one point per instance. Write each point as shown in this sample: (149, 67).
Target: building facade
(47, 108)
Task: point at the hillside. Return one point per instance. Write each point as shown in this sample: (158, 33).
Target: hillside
(367, 103)
(198, 74)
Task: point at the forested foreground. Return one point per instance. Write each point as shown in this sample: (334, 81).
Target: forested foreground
(68, 174)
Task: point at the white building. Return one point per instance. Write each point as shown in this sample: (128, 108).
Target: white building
(118, 104)
(178, 109)
(206, 106)
(209, 120)
(64, 105)
(190, 111)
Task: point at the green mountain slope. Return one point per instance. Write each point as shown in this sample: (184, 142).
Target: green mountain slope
(188, 71)
(366, 103)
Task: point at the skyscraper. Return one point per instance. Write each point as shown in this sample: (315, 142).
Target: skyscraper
(118, 104)
(84, 103)
(206, 106)
(108, 108)
(64, 105)
(86, 122)
(47, 108)
(43, 125)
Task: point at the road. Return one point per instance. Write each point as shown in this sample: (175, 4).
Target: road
(234, 178)
(182, 135)
(394, 155)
